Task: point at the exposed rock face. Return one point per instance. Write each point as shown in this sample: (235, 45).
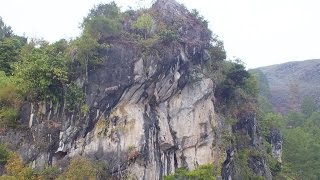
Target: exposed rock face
(276, 142)
(228, 165)
(150, 113)
(247, 129)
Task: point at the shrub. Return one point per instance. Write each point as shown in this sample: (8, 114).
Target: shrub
(144, 24)
(167, 36)
(8, 117)
(49, 173)
(203, 172)
(16, 168)
(82, 168)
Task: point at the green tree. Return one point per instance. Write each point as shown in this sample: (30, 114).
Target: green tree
(103, 20)
(43, 70)
(217, 51)
(86, 50)
(110, 10)
(9, 53)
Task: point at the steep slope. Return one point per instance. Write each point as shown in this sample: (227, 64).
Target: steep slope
(290, 82)
(150, 105)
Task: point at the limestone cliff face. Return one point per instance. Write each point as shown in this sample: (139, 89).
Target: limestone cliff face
(276, 141)
(150, 112)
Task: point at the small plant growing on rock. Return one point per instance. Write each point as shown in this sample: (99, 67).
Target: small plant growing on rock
(133, 153)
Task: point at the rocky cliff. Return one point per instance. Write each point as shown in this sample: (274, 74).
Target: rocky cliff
(151, 110)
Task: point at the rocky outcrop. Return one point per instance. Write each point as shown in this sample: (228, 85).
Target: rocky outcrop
(151, 110)
(275, 139)
(248, 142)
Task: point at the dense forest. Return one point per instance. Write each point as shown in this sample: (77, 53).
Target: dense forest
(33, 70)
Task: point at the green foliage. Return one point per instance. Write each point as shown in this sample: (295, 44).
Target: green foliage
(241, 160)
(8, 117)
(44, 72)
(270, 121)
(237, 89)
(82, 168)
(203, 172)
(235, 76)
(294, 119)
(167, 36)
(84, 109)
(10, 100)
(274, 165)
(300, 131)
(217, 51)
(241, 164)
(265, 105)
(5, 31)
(251, 86)
(86, 50)
(103, 20)
(110, 10)
(48, 173)
(79, 168)
(102, 26)
(15, 168)
(74, 98)
(308, 106)
(144, 24)
(9, 53)
(4, 154)
(302, 146)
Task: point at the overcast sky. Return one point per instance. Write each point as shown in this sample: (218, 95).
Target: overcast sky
(260, 32)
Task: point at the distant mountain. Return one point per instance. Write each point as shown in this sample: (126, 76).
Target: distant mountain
(286, 85)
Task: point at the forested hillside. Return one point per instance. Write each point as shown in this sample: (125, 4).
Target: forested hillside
(291, 82)
(299, 122)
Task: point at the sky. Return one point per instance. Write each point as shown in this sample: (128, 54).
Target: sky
(259, 32)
